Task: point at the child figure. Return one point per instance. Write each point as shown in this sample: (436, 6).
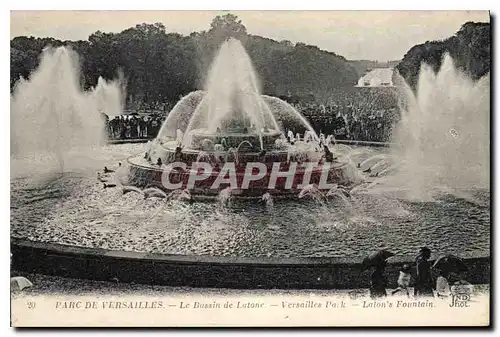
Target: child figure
(404, 280)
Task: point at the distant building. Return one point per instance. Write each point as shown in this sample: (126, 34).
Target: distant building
(379, 77)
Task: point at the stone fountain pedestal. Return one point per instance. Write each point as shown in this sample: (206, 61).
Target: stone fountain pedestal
(234, 138)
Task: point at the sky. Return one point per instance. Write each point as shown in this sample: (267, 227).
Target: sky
(367, 35)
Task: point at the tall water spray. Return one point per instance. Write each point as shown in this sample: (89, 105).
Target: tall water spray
(232, 93)
(443, 137)
(231, 102)
(107, 96)
(51, 116)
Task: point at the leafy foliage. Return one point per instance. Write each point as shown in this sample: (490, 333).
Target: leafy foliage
(159, 66)
(469, 48)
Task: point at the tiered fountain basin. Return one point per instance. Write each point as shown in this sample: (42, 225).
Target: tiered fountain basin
(230, 138)
(69, 225)
(64, 222)
(247, 173)
(235, 138)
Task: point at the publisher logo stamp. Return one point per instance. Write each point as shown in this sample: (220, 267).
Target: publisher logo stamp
(460, 296)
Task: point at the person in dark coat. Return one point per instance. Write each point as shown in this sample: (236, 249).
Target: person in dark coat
(178, 155)
(424, 286)
(378, 281)
(328, 155)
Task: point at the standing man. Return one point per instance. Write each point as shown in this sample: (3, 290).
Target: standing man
(378, 281)
(423, 283)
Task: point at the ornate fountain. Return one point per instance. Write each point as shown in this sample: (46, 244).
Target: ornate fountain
(231, 136)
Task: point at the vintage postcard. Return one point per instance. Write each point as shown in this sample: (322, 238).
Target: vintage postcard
(250, 168)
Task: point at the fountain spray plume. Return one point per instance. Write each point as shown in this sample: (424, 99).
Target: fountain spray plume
(231, 104)
(313, 192)
(267, 198)
(443, 137)
(224, 198)
(232, 93)
(53, 118)
(108, 96)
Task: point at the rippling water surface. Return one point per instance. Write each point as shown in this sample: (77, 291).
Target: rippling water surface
(73, 208)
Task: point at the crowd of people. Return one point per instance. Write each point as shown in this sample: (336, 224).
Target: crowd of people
(134, 126)
(363, 114)
(450, 272)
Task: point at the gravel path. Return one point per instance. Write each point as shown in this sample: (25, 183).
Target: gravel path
(53, 285)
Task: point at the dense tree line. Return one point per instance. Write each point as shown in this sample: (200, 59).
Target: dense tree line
(469, 48)
(160, 66)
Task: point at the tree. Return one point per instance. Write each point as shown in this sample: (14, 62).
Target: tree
(469, 48)
(160, 66)
(227, 26)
